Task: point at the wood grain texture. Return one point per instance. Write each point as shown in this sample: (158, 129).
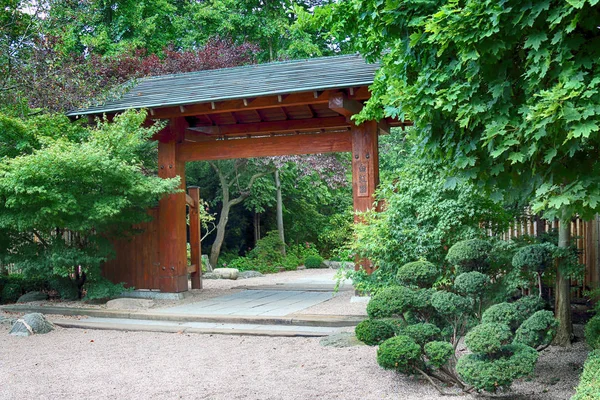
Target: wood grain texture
(195, 249)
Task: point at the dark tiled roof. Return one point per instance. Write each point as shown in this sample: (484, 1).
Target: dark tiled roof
(241, 82)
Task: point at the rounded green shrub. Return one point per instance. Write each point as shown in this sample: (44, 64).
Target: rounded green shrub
(535, 257)
(537, 330)
(422, 332)
(438, 353)
(418, 273)
(488, 338)
(448, 303)
(592, 332)
(589, 383)
(528, 305)
(11, 292)
(503, 313)
(492, 373)
(471, 283)
(374, 331)
(397, 324)
(313, 262)
(390, 302)
(66, 288)
(470, 255)
(400, 353)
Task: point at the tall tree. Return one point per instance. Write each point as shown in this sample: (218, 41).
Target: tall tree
(506, 91)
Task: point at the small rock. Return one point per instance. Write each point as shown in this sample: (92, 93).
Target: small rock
(7, 321)
(227, 273)
(30, 324)
(342, 339)
(32, 296)
(336, 264)
(300, 267)
(249, 274)
(129, 304)
(210, 275)
(206, 263)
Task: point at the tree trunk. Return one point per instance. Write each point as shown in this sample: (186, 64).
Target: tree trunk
(280, 212)
(562, 305)
(215, 250)
(256, 227)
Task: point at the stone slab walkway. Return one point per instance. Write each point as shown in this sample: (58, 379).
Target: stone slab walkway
(272, 303)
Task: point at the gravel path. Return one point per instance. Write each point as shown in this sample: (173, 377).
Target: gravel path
(74, 364)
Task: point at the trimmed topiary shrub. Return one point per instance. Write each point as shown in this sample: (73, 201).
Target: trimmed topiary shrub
(589, 383)
(470, 255)
(390, 302)
(418, 273)
(528, 305)
(11, 292)
(492, 372)
(448, 303)
(313, 262)
(534, 259)
(438, 353)
(374, 331)
(537, 330)
(400, 353)
(422, 333)
(471, 283)
(503, 313)
(488, 338)
(592, 332)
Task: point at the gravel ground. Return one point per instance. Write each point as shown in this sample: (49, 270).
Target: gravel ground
(74, 363)
(338, 305)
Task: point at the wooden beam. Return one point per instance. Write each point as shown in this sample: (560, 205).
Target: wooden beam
(189, 201)
(192, 269)
(292, 99)
(274, 126)
(266, 146)
(384, 127)
(341, 104)
(195, 249)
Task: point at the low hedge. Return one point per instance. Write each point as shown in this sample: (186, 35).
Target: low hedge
(589, 383)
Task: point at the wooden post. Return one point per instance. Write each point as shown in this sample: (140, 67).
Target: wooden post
(172, 274)
(365, 173)
(196, 254)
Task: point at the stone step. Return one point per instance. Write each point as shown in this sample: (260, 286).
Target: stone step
(125, 324)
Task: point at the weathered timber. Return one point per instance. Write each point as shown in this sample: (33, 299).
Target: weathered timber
(340, 103)
(195, 249)
(310, 124)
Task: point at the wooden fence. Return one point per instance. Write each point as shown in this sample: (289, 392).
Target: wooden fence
(584, 233)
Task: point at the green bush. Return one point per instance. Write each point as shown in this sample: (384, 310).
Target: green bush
(374, 331)
(488, 338)
(471, 283)
(438, 353)
(422, 333)
(313, 262)
(397, 324)
(11, 292)
(66, 288)
(290, 262)
(448, 303)
(418, 273)
(589, 383)
(102, 288)
(390, 302)
(592, 332)
(399, 353)
(533, 258)
(244, 264)
(470, 255)
(497, 372)
(528, 305)
(503, 313)
(537, 330)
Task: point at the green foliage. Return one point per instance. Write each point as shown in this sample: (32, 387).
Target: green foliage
(498, 372)
(14, 285)
(589, 383)
(534, 258)
(11, 293)
(438, 353)
(418, 273)
(470, 255)
(313, 261)
(390, 302)
(66, 288)
(503, 313)
(592, 332)
(488, 338)
(422, 332)
(471, 283)
(102, 288)
(399, 353)
(268, 249)
(527, 305)
(537, 330)
(374, 331)
(450, 304)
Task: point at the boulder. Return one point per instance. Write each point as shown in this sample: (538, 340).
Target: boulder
(336, 264)
(210, 275)
(32, 296)
(249, 274)
(7, 320)
(206, 263)
(30, 324)
(129, 304)
(342, 339)
(227, 273)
